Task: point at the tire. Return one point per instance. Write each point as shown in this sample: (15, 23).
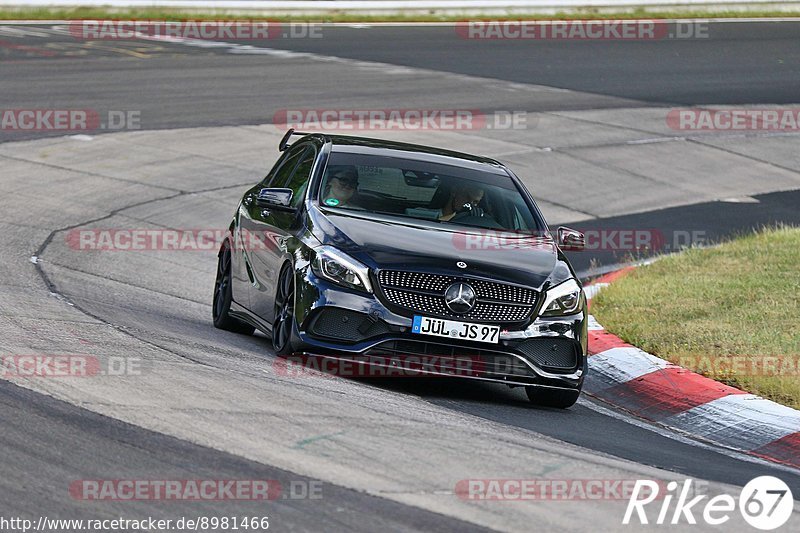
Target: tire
(559, 398)
(223, 296)
(283, 325)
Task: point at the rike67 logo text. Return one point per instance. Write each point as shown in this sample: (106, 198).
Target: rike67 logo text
(765, 503)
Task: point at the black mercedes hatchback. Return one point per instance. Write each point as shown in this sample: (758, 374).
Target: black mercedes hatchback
(401, 259)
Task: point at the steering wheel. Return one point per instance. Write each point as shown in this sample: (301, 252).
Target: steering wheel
(471, 211)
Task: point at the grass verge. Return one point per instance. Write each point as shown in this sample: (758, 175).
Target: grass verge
(730, 312)
(101, 13)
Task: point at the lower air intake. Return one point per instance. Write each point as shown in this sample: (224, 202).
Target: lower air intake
(550, 354)
(346, 325)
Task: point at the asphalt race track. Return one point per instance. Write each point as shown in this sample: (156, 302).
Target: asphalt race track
(596, 151)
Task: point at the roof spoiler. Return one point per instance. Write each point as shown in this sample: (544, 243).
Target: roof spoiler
(283, 145)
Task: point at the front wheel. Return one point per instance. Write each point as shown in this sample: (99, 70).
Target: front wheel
(283, 325)
(545, 397)
(223, 296)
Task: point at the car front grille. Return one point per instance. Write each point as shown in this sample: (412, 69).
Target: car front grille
(424, 293)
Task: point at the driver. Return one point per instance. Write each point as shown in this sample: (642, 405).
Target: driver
(463, 199)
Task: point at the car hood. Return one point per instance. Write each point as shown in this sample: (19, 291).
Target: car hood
(388, 243)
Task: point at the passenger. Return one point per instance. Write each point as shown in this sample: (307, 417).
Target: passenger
(342, 187)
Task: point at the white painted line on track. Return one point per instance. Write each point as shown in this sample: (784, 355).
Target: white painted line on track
(592, 290)
(672, 434)
(620, 365)
(744, 421)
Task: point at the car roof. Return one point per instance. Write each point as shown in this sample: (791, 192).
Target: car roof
(418, 152)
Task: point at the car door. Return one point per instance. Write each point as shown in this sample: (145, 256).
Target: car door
(277, 227)
(251, 271)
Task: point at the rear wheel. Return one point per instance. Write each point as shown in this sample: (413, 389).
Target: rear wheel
(552, 397)
(223, 296)
(283, 325)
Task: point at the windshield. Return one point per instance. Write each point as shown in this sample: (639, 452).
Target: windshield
(437, 193)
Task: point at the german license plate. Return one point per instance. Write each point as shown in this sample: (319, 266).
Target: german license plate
(425, 325)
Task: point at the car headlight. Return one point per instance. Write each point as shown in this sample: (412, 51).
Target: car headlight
(338, 267)
(563, 299)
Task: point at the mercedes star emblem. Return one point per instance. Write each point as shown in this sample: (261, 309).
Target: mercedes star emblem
(460, 298)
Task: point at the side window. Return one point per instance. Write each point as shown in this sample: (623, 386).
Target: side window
(285, 168)
(519, 222)
(302, 174)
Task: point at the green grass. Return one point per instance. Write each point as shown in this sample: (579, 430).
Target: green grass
(719, 311)
(95, 13)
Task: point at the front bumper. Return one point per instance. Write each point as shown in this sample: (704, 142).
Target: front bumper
(357, 329)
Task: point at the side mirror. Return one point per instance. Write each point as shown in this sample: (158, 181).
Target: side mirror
(275, 197)
(570, 239)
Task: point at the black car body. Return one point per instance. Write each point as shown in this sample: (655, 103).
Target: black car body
(363, 279)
